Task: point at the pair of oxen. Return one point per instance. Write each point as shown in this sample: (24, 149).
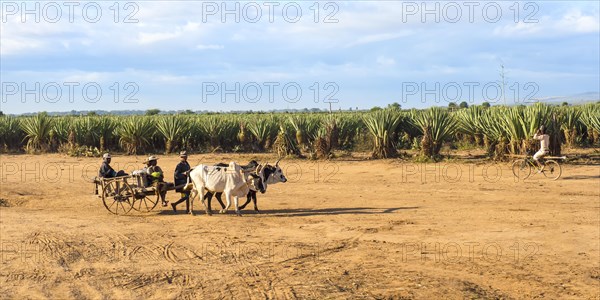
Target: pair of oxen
(233, 180)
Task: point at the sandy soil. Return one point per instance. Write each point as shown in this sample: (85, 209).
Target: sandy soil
(342, 229)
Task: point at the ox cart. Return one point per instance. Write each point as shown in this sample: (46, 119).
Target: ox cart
(123, 193)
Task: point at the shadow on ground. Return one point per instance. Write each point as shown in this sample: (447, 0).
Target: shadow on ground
(574, 177)
(301, 212)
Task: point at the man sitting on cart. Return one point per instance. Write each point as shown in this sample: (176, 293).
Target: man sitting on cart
(156, 178)
(106, 171)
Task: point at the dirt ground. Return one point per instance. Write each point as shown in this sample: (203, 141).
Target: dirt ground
(349, 228)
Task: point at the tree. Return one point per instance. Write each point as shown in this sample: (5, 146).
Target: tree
(565, 104)
(394, 105)
(452, 106)
(92, 113)
(463, 105)
(375, 108)
(152, 112)
(1, 113)
(486, 104)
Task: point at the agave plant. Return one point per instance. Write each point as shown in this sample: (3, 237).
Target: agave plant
(349, 127)
(263, 130)
(106, 128)
(195, 139)
(285, 143)
(382, 124)
(242, 135)
(61, 128)
(590, 117)
(300, 124)
(37, 132)
(10, 132)
(320, 145)
(135, 133)
(437, 126)
(512, 119)
(470, 123)
(87, 131)
(569, 119)
(313, 130)
(218, 130)
(172, 129)
(330, 123)
(494, 132)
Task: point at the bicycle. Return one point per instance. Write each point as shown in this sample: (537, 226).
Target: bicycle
(550, 168)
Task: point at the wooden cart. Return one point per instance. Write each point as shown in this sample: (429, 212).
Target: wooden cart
(122, 194)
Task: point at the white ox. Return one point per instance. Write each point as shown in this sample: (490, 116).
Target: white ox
(233, 181)
(270, 174)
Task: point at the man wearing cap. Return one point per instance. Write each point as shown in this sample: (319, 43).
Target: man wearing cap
(156, 177)
(181, 179)
(106, 171)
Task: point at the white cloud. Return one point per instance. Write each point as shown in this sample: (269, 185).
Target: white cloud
(172, 79)
(238, 37)
(82, 76)
(153, 37)
(574, 20)
(17, 37)
(373, 38)
(518, 29)
(445, 70)
(191, 26)
(209, 47)
(148, 38)
(18, 45)
(386, 61)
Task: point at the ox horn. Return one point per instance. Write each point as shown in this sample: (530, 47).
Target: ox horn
(277, 163)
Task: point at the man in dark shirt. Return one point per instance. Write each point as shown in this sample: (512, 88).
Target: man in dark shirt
(106, 171)
(181, 179)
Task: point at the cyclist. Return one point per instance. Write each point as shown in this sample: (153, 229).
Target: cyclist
(544, 145)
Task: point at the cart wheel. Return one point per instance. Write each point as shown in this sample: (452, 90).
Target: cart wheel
(116, 197)
(143, 202)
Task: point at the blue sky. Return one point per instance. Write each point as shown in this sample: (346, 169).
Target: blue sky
(376, 53)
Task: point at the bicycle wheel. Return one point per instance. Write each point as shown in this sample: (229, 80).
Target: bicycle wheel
(552, 170)
(521, 169)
